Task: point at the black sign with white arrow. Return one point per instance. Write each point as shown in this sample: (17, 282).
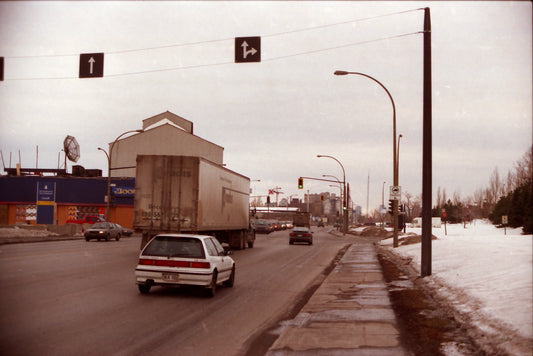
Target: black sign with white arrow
(91, 65)
(247, 49)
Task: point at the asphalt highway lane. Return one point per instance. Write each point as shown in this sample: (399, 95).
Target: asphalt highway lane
(77, 297)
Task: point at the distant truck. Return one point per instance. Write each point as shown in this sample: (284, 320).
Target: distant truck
(302, 219)
(187, 194)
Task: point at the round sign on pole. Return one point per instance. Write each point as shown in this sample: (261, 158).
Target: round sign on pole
(395, 192)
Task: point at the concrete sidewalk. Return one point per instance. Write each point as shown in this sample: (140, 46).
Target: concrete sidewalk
(349, 314)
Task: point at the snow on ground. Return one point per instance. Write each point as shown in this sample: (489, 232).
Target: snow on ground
(17, 232)
(482, 272)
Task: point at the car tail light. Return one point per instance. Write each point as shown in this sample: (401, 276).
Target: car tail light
(307, 235)
(200, 265)
(169, 263)
(293, 234)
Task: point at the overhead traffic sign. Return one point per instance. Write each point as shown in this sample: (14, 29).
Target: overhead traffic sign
(247, 49)
(91, 65)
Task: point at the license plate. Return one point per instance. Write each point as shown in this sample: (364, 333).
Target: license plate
(171, 277)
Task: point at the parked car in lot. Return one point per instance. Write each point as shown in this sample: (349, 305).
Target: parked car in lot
(103, 231)
(301, 234)
(88, 219)
(182, 259)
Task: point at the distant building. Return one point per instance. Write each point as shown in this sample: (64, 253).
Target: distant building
(164, 134)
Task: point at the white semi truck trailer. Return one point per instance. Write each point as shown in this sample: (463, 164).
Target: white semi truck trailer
(187, 194)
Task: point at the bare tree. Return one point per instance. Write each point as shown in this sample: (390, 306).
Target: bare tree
(495, 187)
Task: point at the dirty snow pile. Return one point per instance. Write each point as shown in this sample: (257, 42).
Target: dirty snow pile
(17, 232)
(486, 275)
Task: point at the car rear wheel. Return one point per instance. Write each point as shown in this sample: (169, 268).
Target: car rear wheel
(211, 290)
(229, 283)
(144, 288)
(118, 237)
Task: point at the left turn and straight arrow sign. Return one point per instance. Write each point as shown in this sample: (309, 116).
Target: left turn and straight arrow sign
(91, 65)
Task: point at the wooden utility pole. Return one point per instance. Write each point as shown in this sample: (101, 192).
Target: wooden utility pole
(427, 151)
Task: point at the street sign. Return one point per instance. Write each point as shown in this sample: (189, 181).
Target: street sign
(395, 192)
(91, 65)
(46, 196)
(247, 49)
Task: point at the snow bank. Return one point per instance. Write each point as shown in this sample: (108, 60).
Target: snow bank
(15, 232)
(485, 273)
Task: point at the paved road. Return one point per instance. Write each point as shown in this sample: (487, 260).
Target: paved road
(74, 297)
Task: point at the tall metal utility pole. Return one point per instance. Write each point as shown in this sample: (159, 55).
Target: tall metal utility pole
(426, 151)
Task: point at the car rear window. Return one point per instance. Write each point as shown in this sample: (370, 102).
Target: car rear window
(169, 246)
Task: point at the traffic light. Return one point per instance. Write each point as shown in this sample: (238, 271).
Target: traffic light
(390, 211)
(112, 199)
(300, 183)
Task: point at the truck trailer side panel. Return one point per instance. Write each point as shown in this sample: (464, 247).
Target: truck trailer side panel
(223, 198)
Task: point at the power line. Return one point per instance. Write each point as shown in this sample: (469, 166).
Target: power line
(195, 66)
(342, 46)
(218, 40)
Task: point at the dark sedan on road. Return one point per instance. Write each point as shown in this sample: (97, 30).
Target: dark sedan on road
(103, 231)
(263, 227)
(301, 234)
(124, 230)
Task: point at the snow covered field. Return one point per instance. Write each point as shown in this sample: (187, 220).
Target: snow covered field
(485, 275)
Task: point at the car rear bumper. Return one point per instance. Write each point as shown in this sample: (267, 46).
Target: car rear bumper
(169, 278)
(301, 239)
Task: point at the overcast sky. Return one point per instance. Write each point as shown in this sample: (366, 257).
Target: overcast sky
(274, 117)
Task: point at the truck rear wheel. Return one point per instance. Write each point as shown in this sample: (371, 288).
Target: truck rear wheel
(244, 240)
(251, 241)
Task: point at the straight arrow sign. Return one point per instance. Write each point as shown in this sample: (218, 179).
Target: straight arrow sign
(91, 65)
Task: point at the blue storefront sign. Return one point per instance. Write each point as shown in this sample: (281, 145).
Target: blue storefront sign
(46, 197)
(124, 191)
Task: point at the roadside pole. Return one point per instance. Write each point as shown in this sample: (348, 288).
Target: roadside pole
(426, 151)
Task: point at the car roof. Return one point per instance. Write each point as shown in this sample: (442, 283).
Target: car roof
(177, 236)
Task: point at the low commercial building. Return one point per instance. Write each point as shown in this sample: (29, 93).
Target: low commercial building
(39, 199)
(70, 198)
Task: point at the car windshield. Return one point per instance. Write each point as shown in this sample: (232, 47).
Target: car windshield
(303, 229)
(100, 226)
(170, 246)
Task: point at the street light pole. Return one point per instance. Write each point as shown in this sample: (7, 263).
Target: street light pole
(109, 169)
(394, 160)
(345, 207)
